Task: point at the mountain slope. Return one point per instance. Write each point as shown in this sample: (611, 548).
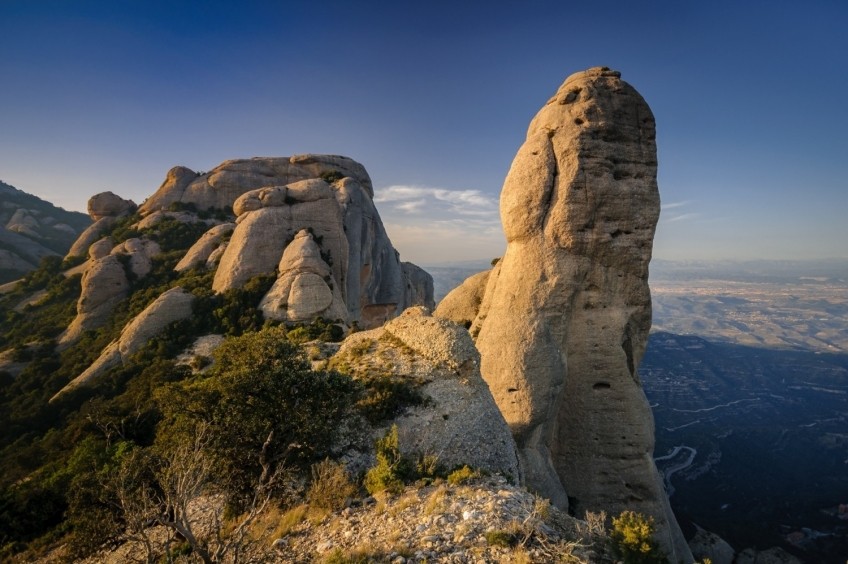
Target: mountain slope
(32, 228)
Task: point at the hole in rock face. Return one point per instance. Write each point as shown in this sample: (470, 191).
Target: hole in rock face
(511, 390)
(601, 386)
(578, 121)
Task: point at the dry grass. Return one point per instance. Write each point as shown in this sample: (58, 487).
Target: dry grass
(437, 501)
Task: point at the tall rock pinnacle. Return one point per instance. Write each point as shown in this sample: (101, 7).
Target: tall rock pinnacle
(565, 317)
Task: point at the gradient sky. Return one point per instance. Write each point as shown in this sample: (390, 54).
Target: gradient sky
(434, 98)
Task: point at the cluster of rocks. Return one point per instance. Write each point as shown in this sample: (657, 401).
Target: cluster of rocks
(309, 220)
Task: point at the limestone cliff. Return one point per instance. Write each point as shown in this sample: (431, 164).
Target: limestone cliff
(565, 316)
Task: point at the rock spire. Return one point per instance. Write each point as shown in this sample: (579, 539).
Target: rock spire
(565, 315)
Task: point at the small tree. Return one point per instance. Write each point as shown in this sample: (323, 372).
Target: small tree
(633, 539)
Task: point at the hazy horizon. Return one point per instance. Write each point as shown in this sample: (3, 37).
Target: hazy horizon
(435, 100)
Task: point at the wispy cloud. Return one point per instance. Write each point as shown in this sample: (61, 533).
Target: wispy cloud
(461, 202)
(428, 224)
(674, 205)
(682, 217)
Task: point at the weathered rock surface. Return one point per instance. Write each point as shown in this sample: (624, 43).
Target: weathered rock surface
(93, 232)
(173, 305)
(104, 209)
(199, 253)
(707, 545)
(107, 204)
(461, 423)
(371, 284)
(462, 304)
(104, 285)
(140, 252)
(220, 187)
(306, 287)
(105, 282)
(566, 313)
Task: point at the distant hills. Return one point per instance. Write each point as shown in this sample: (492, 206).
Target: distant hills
(30, 229)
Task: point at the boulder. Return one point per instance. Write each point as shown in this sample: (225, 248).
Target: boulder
(173, 305)
(107, 204)
(202, 250)
(104, 285)
(140, 252)
(565, 317)
(463, 302)
(706, 545)
(460, 422)
(92, 233)
(306, 288)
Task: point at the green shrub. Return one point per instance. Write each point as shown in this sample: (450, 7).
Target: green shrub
(387, 396)
(461, 475)
(500, 538)
(261, 396)
(633, 539)
(391, 468)
(331, 176)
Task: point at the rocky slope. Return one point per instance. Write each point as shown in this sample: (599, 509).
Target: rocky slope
(309, 221)
(565, 315)
(30, 229)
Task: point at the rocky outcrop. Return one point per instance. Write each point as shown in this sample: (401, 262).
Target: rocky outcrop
(565, 317)
(104, 285)
(221, 186)
(107, 204)
(709, 546)
(106, 281)
(366, 283)
(306, 288)
(199, 253)
(173, 305)
(93, 232)
(462, 304)
(460, 422)
(104, 209)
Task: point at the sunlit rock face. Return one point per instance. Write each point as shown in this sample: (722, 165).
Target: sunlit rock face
(565, 316)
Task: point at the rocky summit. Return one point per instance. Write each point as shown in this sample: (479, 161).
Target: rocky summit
(308, 220)
(565, 314)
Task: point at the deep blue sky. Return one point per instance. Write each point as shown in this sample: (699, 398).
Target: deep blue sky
(434, 98)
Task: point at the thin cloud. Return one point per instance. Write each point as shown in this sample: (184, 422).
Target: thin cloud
(428, 225)
(673, 205)
(682, 217)
(460, 202)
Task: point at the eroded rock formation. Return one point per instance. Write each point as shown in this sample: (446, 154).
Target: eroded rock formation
(565, 317)
(173, 305)
(104, 209)
(459, 423)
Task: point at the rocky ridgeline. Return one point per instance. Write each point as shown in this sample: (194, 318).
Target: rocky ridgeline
(487, 520)
(31, 229)
(564, 317)
(309, 220)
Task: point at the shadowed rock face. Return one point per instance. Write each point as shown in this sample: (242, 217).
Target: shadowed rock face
(565, 316)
